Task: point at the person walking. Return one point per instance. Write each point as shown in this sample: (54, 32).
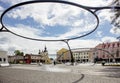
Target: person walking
(54, 63)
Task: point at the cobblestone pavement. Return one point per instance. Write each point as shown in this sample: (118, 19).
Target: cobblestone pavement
(73, 74)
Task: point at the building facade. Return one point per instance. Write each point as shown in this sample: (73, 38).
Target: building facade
(82, 55)
(31, 58)
(16, 59)
(63, 56)
(109, 52)
(3, 57)
(79, 55)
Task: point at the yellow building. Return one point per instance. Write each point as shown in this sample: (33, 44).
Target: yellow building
(63, 55)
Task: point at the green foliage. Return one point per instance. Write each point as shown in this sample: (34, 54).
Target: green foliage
(17, 52)
(116, 17)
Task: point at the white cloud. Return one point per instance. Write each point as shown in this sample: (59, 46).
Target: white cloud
(1, 9)
(81, 43)
(115, 30)
(12, 2)
(78, 31)
(29, 46)
(99, 34)
(93, 3)
(46, 14)
(105, 15)
(108, 39)
(82, 2)
(25, 30)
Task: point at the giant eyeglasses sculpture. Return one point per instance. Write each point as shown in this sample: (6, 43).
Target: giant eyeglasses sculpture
(80, 8)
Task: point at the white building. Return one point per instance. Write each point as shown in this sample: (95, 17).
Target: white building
(81, 55)
(3, 57)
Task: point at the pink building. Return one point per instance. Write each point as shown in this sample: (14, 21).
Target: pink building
(108, 51)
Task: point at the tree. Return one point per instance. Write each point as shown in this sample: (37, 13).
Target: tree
(22, 53)
(116, 17)
(17, 52)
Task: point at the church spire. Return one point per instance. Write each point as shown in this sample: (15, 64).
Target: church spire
(45, 50)
(39, 52)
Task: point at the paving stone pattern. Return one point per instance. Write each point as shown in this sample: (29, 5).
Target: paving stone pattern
(78, 74)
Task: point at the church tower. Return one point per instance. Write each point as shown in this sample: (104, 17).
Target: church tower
(39, 52)
(45, 53)
(45, 49)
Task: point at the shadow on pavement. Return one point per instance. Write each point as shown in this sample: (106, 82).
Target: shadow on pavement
(113, 72)
(82, 76)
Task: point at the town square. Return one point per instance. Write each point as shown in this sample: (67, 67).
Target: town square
(59, 41)
(82, 73)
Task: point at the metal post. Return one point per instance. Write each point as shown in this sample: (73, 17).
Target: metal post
(72, 58)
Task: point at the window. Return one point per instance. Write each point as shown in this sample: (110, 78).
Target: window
(86, 56)
(104, 46)
(4, 59)
(0, 59)
(113, 45)
(103, 56)
(117, 53)
(81, 57)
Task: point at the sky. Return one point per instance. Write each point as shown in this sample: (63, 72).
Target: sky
(55, 21)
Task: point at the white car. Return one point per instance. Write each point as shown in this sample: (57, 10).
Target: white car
(4, 64)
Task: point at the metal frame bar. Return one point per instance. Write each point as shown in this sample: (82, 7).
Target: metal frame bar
(50, 1)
